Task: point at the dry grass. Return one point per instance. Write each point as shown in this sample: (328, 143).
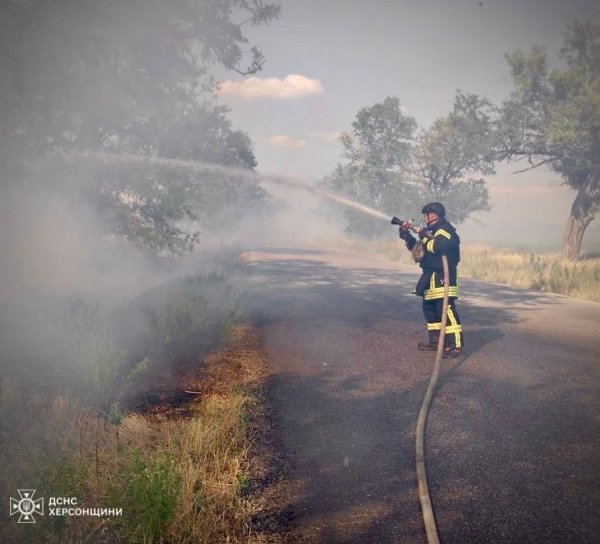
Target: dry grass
(209, 451)
(178, 479)
(213, 456)
(540, 272)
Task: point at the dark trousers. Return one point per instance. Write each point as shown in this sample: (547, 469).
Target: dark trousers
(432, 310)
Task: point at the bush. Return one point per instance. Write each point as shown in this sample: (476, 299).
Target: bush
(148, 489)
(193, 318)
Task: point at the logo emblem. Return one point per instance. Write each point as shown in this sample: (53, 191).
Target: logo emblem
(26, 506)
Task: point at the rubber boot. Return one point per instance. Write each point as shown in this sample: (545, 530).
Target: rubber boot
(434, 336)
(451, 352)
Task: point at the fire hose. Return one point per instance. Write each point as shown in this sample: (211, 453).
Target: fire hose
(426, 508)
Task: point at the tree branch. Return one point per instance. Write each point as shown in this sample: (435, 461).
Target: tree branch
(534, 166)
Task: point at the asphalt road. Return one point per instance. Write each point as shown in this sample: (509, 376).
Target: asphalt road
(513, 438)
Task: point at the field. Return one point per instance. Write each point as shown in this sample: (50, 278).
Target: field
(545, 272)
(540, 272)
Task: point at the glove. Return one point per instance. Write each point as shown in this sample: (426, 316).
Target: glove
(404, 234)
(424, 233)
(405, 230)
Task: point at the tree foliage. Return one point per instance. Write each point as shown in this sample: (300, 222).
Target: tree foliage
(451, 152)
(378, 152)
(553, 117)
(127, 77)
(396, 172)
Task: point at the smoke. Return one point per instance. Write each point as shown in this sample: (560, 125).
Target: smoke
(53, 244)
(56, 250)
(297, 211)
(41, 244)
(81, 303)
(295, 215)
(202, 166)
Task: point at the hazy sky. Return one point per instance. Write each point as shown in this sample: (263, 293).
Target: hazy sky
(326, 59)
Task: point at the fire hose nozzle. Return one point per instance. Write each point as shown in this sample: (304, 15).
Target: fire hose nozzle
(408, 222)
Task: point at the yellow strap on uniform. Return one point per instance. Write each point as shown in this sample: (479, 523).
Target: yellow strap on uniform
(438, 292)
(449, 328)
(442, 232)
(454, 328)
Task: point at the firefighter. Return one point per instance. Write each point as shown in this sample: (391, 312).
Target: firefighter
(438, 238)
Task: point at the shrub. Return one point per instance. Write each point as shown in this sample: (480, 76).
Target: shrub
(193, 318)
(148, 489)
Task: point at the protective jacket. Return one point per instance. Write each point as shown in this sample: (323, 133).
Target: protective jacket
(441, 240)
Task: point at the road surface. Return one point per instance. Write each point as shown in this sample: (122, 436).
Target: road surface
(513, 438)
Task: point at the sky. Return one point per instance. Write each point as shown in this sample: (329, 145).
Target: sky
(327, 59)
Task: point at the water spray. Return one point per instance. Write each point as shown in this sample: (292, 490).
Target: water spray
(200, 166)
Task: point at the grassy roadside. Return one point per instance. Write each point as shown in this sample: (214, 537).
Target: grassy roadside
(537, 271)
(155, 408)
(540, 272)
(182, 473)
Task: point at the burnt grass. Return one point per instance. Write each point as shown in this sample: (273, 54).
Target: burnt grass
(241, 366)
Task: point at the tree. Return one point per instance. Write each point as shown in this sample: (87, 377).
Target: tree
(451, 151)
(553, 118)
(397, 173)
(378, 151)
(133, 77)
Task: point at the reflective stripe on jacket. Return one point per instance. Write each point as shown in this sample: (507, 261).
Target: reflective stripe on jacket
(444, 241)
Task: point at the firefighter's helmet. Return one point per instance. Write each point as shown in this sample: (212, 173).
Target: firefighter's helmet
(434, 207)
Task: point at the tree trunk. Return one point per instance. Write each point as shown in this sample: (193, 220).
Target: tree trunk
(573, 237)
(581, 216)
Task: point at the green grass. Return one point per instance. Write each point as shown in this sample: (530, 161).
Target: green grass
(147, 486)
